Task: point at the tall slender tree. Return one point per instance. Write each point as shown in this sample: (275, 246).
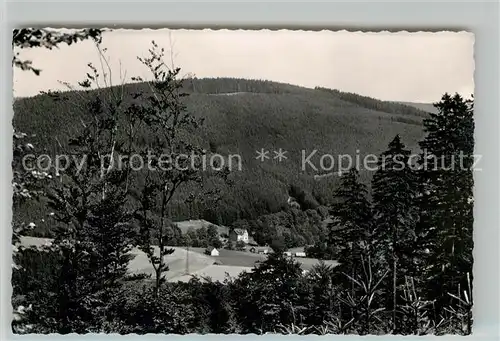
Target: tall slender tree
(446, 201)
(395, 213)
(174, 160)
(351, 231)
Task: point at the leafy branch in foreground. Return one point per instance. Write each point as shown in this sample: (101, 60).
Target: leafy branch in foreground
(40, 37)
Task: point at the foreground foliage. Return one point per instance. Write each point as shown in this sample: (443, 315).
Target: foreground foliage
(275, 298)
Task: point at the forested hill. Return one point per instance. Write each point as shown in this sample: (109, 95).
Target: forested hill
(428, 107)
(243, 116)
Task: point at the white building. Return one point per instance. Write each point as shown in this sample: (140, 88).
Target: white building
(259, 249)
(237, 235)
(212, 251)
(293, 203)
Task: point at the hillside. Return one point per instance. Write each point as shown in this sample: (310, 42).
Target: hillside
(187, 225)
(428, 107)
(241, 117)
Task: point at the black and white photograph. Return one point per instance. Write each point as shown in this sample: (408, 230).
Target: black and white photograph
(238, 181)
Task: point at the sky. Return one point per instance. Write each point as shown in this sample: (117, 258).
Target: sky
(411, 67)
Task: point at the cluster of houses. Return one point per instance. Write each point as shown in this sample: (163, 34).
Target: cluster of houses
(212, 251)
(299, 254)
(234, 236)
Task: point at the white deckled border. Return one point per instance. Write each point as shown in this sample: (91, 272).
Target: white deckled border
(479, 18)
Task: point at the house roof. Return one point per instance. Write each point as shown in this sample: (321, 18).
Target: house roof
(240, 231)
(251, 241)
(260, 248)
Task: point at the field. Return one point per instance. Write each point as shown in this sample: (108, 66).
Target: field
(248, 259)
(229, 262)
(234, 258)
(140, 264)
(187, 225)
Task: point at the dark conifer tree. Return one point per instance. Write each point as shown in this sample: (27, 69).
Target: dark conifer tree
(395, 213)
(445, 228)
(351, 231)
